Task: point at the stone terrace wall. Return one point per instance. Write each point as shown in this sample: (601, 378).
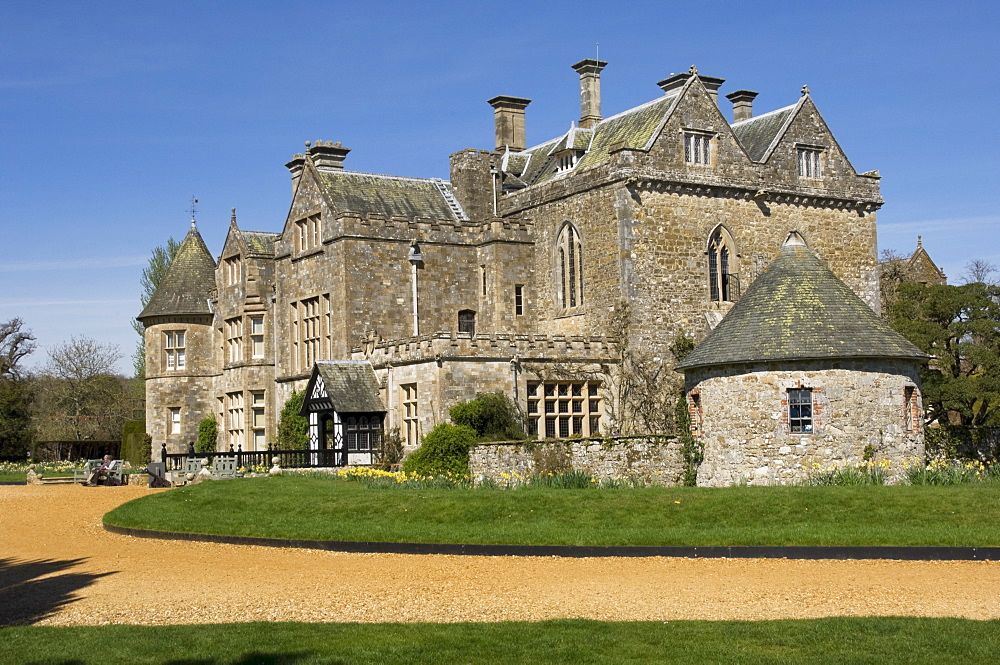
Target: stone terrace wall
(654, 459)
(498, 345)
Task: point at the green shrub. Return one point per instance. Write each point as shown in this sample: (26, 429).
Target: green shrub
(135, 443)
(493, 416)
(445, 450)
(208, 435)
(293, 429)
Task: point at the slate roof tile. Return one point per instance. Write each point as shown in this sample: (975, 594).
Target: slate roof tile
(388, 195)
(351, 385)
(190, 279)
(798, 310)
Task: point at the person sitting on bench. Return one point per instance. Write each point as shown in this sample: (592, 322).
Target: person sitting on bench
(100, 475)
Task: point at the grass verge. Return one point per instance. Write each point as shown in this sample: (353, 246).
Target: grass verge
(836, 640)
(314, 508)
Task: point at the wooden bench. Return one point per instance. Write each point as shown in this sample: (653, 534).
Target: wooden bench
(83, 475)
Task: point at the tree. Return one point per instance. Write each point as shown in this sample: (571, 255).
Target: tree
(208, 435)
(154, 272)
(83, 398)
(16, 431)
(493, 416)
(293, 429)
(15, 344)
(978, 270)
(960, 327)
(892, 273)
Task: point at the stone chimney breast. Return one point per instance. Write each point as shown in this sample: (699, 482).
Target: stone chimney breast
(742, 104)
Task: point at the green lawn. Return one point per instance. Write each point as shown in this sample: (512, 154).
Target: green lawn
(325, 509)
(838, 640)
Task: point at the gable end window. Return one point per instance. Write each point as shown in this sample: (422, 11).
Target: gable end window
(234, 270)
(810, 162)
(800, 410)
(307, 233)
(698, 148)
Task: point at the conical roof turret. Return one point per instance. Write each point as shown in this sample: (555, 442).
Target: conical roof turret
(185, 289)
(799, 310)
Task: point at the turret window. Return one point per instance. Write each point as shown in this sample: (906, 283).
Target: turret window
(800, 410)
(174, 350)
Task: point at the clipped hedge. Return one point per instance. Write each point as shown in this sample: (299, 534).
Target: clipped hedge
(136, 443)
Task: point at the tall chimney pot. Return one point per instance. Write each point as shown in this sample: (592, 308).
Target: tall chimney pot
(742, 104)
(508, 116)
(590, 90)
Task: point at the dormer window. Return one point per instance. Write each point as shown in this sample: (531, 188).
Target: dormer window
(810, 159)
(567, 160)
(698, 148)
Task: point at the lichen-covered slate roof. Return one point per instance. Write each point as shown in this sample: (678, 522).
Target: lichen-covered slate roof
(634, 128)
(190, 279)
(351, 385)
(799, 310)
(758, 133)
(260, 243)
(388, 195)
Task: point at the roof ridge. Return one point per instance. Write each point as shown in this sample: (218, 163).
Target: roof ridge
(764, 115)
(381, 175)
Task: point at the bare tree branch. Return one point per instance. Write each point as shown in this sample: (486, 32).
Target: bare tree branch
(15, 344)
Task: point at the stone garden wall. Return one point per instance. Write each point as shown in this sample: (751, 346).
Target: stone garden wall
(653, 459)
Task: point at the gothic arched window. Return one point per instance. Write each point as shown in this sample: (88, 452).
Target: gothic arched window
(569, 268)
(723, 267)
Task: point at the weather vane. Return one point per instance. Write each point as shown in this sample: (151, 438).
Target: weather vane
(193, 210)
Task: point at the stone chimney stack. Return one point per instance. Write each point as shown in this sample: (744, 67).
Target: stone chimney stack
(712, 83)
(295, 168)
(742, 104)
(328, 156)
(508, 114)
(590, 90)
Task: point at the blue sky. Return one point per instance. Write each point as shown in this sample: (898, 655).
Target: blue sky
(113, 114)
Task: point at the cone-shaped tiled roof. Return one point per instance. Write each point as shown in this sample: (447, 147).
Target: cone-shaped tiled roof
(190, 279)
(799, 310)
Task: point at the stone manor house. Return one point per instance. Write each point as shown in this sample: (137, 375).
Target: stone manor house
(391, 298)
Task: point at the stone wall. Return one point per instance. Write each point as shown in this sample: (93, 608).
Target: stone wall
(740, 413)
(653, 459)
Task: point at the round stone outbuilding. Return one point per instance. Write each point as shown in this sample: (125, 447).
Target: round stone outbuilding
(802, 375)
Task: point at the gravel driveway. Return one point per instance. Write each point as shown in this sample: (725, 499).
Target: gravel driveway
(59, 567)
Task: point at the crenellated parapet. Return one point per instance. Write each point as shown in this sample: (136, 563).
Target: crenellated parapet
(442, 346)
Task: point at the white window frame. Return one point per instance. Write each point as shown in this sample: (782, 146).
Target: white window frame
(174, 350)
(175, 419)
(257, 336)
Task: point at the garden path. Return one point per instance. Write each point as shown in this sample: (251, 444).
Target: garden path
(58, 566)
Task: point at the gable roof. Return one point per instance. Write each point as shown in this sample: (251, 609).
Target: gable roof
(345, 386)
(188, 283)
(799, 310)
(390, 196)
(758, 134)
(259, 243)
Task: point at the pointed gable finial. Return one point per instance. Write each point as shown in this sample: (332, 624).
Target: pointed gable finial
(920, 242)
(805, 90)
(232, 215)
(693, 71)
